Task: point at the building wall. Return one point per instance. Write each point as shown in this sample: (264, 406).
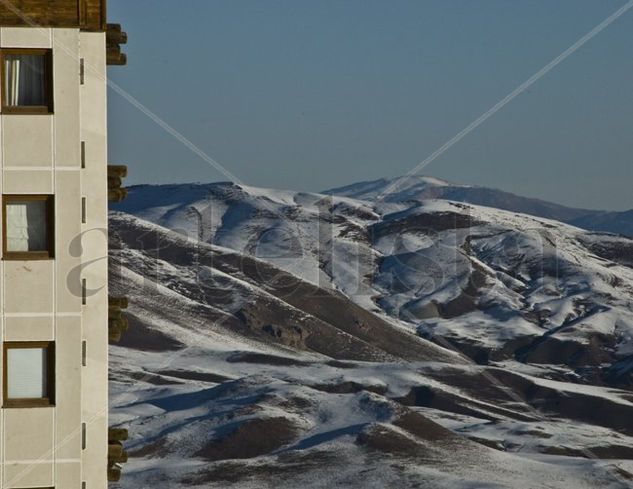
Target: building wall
(42, 300)
(95, 256)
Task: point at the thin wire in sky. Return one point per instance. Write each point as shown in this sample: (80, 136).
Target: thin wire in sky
(508, 98)
(133, 101)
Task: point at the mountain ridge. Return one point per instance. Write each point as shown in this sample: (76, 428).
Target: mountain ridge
(292, 339)
(420, 188)
(423, 188)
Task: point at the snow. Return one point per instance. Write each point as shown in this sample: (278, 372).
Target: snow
(504, 280)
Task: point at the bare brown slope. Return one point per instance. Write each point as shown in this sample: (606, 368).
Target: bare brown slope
(283, 309)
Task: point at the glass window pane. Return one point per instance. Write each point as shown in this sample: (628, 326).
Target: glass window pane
(26, 373)
(26, 226)
(25, 80)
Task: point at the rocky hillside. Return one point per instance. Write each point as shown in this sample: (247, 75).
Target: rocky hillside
(282, 339)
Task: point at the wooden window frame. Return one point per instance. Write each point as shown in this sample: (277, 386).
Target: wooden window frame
(48, 80)
(47, 254)
(50, 375)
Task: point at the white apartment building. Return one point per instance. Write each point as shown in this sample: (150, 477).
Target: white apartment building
(54, 309)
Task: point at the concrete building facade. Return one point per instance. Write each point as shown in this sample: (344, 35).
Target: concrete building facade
(53, 271)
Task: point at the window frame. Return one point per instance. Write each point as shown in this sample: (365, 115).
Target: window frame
(49, 253)
(50, 375)
(48, 81)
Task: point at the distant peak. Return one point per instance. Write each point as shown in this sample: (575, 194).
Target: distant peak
(396, 188)
(421, 179)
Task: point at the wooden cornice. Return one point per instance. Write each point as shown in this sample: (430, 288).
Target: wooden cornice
(87, 15)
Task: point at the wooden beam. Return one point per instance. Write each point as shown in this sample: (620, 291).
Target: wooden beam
(113, 51)
(114, 56)
(120, 302)
(117, 434)
(116, 328)
(117, 322)
(114, 182)
(115, 35)
(116, 453)
(115, 313)
(114, 474)
(121, 459)
(120, 323)
(117, 171)
(117, 195)
(88, 15)
(116, 59)
(115, 449)
(114, 336)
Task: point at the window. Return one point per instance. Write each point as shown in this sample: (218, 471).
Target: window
(29, 373)
(27, 81)
(28, 227)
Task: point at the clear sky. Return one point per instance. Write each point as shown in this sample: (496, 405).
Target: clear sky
(313, 94)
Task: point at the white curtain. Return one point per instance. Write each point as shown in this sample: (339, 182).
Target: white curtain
(26, 373)
(12, 79)
(26, 226)
(25, 80)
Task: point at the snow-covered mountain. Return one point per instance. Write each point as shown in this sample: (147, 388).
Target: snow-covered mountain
(420, 188)
(287, 339)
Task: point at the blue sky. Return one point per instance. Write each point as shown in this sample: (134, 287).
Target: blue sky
(314, 94)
